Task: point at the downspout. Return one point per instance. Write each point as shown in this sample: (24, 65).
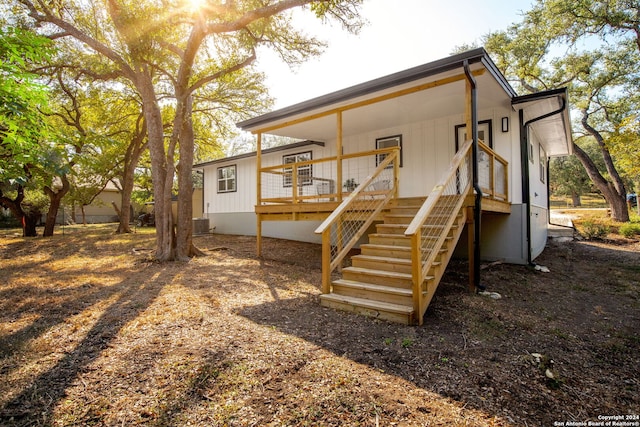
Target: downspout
(526, 193)
(476, 186)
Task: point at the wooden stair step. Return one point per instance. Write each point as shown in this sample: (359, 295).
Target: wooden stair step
(386, 250)
(377, 277)
(372, 286)
(390, 239)
(393, 312)
(407, 201)
(393, 218)
(386, 263)
(401, 228)
(372, 291)
(404, 211)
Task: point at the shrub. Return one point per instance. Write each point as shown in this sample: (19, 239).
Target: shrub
(630, 229)
(594, 230)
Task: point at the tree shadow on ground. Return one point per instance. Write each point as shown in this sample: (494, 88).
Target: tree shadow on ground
(478, 351)
(35, 404)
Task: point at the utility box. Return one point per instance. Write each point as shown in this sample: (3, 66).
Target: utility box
(200, 226)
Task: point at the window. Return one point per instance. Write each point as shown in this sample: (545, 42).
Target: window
(305, 172)
(388, 142)
(531, 152)
(227, 179)
(543, 164)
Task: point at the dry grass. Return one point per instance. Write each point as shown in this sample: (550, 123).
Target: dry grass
(93, 332)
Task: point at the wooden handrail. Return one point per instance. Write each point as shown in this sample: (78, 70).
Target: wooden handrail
(485, 147)
(328, 159)
(334, 220)
(492, 179)
(435, 194)
(355, 193)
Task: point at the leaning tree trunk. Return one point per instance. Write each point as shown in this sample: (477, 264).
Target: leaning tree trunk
(613, 190)
(28, 218)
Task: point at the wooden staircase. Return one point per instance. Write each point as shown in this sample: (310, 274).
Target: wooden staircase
(379, 282)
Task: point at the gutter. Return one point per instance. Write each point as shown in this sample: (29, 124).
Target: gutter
(476, 186)
(524, 149)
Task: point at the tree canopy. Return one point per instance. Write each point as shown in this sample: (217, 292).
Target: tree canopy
(181, 59)
(593, 48)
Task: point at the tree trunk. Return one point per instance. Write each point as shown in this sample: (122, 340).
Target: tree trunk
(161, 170)
(55, 198)
(575, 199)
(28, 218)
(29, 224)
(613, 189)
(73, 212)
(184, 236)
(124, 217)
(84, 215)
(131, 159)
(617, 202)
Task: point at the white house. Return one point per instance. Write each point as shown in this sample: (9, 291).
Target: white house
(394, 166)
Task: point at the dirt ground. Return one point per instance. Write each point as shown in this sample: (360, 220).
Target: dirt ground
(93, 332)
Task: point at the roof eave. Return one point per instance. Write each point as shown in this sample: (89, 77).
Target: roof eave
(443, 65)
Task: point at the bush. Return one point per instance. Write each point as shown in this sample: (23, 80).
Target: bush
(630, 229)
(8, 221)
(594, 230)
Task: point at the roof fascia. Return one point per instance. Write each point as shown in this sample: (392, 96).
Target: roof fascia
(540, 95)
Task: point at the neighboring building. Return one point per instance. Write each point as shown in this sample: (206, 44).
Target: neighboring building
(426, 113)
(99, 211)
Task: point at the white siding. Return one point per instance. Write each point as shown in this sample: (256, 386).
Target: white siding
(427, 148)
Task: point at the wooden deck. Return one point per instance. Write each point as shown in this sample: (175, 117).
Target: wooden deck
(318, 211)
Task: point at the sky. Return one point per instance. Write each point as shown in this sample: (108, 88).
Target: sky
(400, 34)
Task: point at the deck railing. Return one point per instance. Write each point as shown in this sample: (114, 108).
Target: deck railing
(431, 225)
(351, 219)
(319, 180)
(492, 174)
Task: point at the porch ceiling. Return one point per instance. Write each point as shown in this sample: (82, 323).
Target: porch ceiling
(554, 131)
(439, 101)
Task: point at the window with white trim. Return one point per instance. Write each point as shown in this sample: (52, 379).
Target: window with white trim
(388, 142)
(305, 172)
(227, 179)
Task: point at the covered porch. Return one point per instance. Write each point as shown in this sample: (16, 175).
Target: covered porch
(428, 175)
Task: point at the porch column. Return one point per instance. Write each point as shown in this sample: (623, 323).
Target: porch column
(471, 120)
(259, 193)
(339, 154)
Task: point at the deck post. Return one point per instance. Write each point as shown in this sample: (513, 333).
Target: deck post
(339, 154)
(470, 250)
(416, 273)
(259, 193)
(472, 119)
(396, 174)
(326, 261)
